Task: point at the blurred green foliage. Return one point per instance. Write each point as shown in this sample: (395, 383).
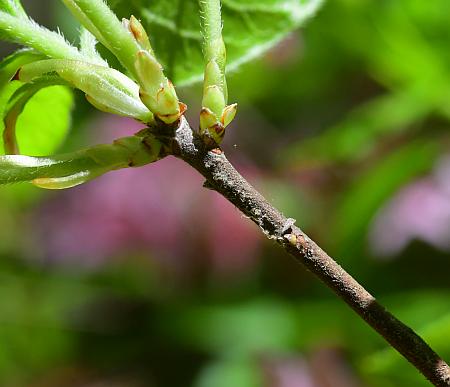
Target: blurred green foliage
(338, 118)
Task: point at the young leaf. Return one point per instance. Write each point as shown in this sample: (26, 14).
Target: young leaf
(16, 105)
(18, 168)
(13, 7)
(28, 33)
(71, 169)
(13, 97)
(12, 63)
(45, 120)
(88, 44)
(97, 17)
(106, 88)
(250, 28)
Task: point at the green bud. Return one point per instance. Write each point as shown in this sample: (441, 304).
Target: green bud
(139, 33)
(167, 100)
(215, 114)
(151, 77)
(210, 127)
(207, 119)
(157, 92)
(213, 75)
(213, 99)
(228, 114)
(125, 152)
(141, 152)
(109, 155)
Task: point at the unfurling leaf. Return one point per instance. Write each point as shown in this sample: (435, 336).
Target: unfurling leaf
(15, 107)
(45, 120)
(108, 89)
(12, 63)
(71, 169)
(88, 49)
(13, 7)
(97, 17)
(228, 114)
(28, 33)
(139, 33)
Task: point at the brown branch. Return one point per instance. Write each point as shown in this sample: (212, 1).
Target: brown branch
(221, 176)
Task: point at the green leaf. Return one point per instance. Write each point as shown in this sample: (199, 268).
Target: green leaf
(28, 33)
(250, 27)
(88, 44)
(12, 63)
(71, 169)
(16, 105)
(107, 89)
(96, 16)
(45, 120)
(13, 7)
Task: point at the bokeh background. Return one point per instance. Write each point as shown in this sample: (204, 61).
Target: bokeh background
(144, 278)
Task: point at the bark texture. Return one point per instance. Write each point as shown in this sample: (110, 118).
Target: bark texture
(221, 176)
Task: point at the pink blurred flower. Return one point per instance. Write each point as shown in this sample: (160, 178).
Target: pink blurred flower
(160, 209)
(288, 372)
(325, 366)
(421, 211)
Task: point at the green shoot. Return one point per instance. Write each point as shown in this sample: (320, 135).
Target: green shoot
(28, 33)
(71, 169)
(129, 42)
(215, 114)
(106, 88)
